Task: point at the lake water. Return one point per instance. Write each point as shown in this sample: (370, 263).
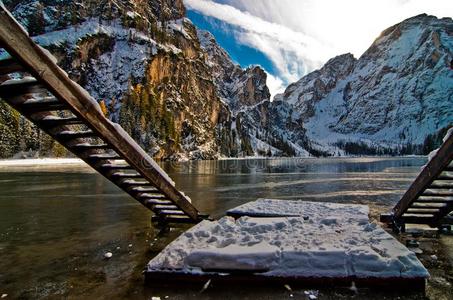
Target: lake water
(56, 223)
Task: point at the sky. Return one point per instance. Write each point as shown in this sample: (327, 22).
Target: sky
(290, 38)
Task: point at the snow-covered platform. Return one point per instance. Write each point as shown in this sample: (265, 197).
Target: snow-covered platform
(290, 242)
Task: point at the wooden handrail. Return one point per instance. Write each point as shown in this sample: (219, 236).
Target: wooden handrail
(429, 173)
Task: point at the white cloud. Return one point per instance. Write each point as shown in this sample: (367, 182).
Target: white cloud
(298, 36)
(292, 52)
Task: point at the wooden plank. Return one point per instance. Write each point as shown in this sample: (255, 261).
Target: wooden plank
(85, 147)
(441, 185)
(33, 106)
(151, 202)
(104, 156)
(143, 190)
(69, 135)
(423, 211)
(19, 45)
(113, 167)
(122, 175)
(54, 122)
(438, 192)
(440, 199)
(434, 167)
(9, 65)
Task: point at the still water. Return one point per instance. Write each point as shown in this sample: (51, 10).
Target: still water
(56, 223)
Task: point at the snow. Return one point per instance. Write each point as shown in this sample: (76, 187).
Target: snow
(448, 135)
(40, 162)
(299, 239)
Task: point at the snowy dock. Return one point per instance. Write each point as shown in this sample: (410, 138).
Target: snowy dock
(293, 242)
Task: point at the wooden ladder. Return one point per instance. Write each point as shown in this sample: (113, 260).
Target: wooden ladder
(429, 200)
(65, 111)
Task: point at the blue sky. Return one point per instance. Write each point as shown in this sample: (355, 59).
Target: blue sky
(290, 38)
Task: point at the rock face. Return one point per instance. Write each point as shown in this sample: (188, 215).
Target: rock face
(178, 93)
(145, 62)
(397, 94)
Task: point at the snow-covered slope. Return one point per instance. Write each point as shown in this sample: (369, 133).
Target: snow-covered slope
(397, 93)
(152, 70)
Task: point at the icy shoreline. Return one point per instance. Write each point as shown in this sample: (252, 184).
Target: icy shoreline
(40, 162)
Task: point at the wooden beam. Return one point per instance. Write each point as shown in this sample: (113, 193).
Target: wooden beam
(434, 167)
(42, 67)
(9, 65)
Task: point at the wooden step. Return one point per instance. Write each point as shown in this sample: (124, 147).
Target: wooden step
(114, 167)
(174, 212)
(438, 192)
(10, 65)
(436, 199)
(140, 189)
(441, 185)
(148, 196)
(104, 156)
(418, 219)
(445, 176)
(173, 219)
(71, 135)
(16, 87)
(136, 183)
(49, 122)
(152, 202)
(430, 205)
(122, 175)
(159, 207)
(46, 105)
(423, 211)
(85, 147)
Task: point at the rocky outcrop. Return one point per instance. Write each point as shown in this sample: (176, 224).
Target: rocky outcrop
(145, 62)
(393, 97)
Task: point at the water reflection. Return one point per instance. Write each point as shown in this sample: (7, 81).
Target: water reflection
(57, 223)
(216, 186)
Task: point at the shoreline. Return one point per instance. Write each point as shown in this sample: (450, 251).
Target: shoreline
(40, 162)
(77, 161)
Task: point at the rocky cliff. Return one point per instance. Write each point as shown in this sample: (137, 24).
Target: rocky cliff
(393, 99)
(146, 65)
(178, 93)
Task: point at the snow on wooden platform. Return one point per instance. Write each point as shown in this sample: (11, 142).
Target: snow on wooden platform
(294, 240)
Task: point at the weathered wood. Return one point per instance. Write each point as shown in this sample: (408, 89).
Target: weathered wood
(10, 65)
(41, 66)
(170, 212)
(54, 122)
(13, 88)
(121, 175)
(78, 148)
(104, 156)
(113, 167)
(66, 136)
(441, 185)
(143, 190)
(438, 192)
(152, 202)
(423, 211)
(172, 219)
(33, 106)
(147, 196)
(432, 170)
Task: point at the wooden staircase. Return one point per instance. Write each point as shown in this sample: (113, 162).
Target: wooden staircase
(429, 200)
(35, 86)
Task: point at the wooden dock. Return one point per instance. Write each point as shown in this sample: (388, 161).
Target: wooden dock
(300, 243)
(46, 96)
